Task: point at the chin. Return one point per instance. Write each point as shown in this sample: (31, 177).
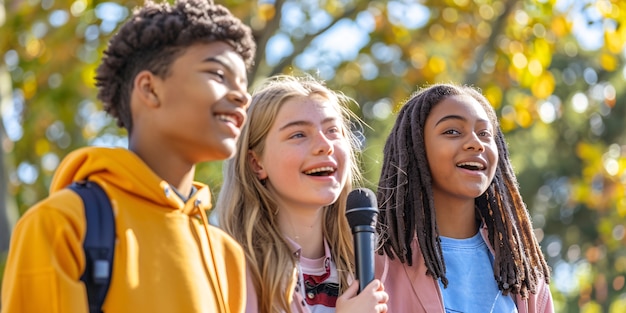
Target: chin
(330, 199)
(218, 155)
(226, 150)
(227, 155)
(478, 194)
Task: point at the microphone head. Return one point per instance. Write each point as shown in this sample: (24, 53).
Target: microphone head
(361, 208)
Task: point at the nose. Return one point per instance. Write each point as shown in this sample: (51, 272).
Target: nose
(239, 96)
(323, 145)
(474, 143)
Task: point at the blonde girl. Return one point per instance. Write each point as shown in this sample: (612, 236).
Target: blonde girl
(284, 198)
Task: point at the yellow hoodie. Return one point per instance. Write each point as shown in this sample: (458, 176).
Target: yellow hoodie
(167, 257)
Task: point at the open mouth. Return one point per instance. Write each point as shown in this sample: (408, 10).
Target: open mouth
(321, 171)
(472, 166)
(230, 118)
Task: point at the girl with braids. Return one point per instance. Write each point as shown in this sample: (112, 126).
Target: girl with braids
(284, 197)
(456, 235)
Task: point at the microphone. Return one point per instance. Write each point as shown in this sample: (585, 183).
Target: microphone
(361, 211)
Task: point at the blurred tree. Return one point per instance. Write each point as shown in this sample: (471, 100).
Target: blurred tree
(8, 215)
(554, 70)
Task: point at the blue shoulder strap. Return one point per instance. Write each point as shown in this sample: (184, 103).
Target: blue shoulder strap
(99, 242)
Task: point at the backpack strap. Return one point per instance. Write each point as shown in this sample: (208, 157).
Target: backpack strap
(99, 242)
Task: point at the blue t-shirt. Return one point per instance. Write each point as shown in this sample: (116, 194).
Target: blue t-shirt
(471, 285)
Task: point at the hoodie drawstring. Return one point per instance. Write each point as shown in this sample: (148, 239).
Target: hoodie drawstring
(210, 269)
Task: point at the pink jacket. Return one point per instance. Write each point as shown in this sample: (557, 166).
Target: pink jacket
(403, 283)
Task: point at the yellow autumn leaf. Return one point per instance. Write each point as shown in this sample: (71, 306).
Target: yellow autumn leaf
(507, 124)
(526, 78)
(493, 93)
(30, 86)
(34, 48)
(542, 51)
(543, 87)
(580, 192)
(614, 41)
(523, 117)
(608, 62)
(560, 26)
(42, 146)
(401, 35)
(436, 65)
(266, 11)
(589, 152)
(88, 74)
(621, 207)
(622, 166)
(591, 307)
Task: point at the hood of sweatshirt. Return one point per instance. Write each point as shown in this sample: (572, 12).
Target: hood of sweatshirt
(122, 169)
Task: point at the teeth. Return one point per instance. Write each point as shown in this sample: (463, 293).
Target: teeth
(320, 169)
(227, 118)
(471, 164)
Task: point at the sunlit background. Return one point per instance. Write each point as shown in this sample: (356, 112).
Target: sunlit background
(554, 70)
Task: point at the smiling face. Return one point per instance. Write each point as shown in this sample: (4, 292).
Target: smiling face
(305, 154)
(460, 148)
(203, 100)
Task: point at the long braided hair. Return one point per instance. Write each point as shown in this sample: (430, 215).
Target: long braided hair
(407, 209)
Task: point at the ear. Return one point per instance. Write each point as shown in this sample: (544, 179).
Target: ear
(144, 86)
(255, 164)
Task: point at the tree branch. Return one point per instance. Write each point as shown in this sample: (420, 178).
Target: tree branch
(300, 45)
(8, 209)
(263, 36)
(497, 29)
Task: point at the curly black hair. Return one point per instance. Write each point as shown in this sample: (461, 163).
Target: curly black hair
(151, 40)
(407, 206)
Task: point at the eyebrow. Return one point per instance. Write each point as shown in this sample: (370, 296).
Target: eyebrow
(305, 123)
(450, 117)
(456, 117)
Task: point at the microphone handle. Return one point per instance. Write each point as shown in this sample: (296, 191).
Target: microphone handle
(364, 254)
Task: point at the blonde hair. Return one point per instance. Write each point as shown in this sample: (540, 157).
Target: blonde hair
(248, 211)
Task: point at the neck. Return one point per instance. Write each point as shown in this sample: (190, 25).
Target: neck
(456, 219)
(304, 226)
(169, 167)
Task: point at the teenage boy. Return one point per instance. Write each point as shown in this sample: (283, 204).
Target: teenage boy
(175, 76)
